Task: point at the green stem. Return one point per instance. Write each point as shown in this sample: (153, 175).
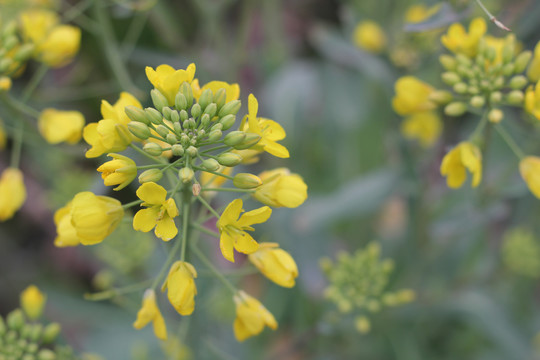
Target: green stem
(117, 291)
(211, 267)
(216, 148)
(76, 10)
(34, 82)
(186, 207)
(131, 204)
(134, 32)
(205, 230)
(228, 190)
(212, 172)
(144, 153)
(21, 107)
(481, 125)
(17, 145)
(168, 262)
(207, 205)
(510, 141)
(145, 167)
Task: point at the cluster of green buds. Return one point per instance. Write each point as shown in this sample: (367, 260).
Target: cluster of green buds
(521, 252)
(358, 284)
(14, 52)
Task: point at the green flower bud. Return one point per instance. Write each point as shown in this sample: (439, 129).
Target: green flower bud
(515, 97)
(183, 115)
(2, 326)
(229, 159)
(137, 114)
(15, 319)
(11, 336)
(192, 151)
(180, 102)
(217, 126)
(518, 82)
(171, 139)
(46, 354)
(153, 149)
(21, 344)
(184, 139)
(206, 98)
(508, 52)
(177, 127)
(234, 138)
(162, 130)
(191, 123)
(230, 108)
(186, 175)
(28, 356)
(154, 116)
(250, 140)
(159, 100)
(491, 53)
(485, 85)
(177, 150)
(455, 109)
(508, 69)
(473, 90)
(228, 121)
(521, 62)
(25, 331)
(495, 97)
(167, 112)
(24, 52)
(139, 130)
(495, 116)
(220, 97)
(214, 135)
(186, 90)
(205, 120)
(463, 71)
(499, 82)
(201, 133)
(463, 60)
(196, 110)
(210, 164)
(246, 181)
(450, 78)
(32, 348)
(480, 60)
(175, 116)
(50, 333)
(478, 101)
(448, 62)
(460, 88)
(35, 333)
(5, 64)
(211, 110)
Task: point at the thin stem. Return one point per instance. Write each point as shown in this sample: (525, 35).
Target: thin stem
(168, 262)
(17, 145)
(34, 82)
(142, 152)
(145, 167)
(228, 190)
(131, 204)
(76, 10)
(21, 107)
(510, 141)
(117, 291)
(216, 148)
(186, 207)
(205, 230)
(491, 17)
(213, 172)
(211, 267)
(207, 205)
(481, 125)
(134, 32)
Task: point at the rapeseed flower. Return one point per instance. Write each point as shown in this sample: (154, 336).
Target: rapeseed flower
(251, 317)
(459, 41)
(120, 171)
(12, 192)
(412, 96)
(57, 126)
(167, 80)
(181, 287)
(150, 312)
(368, 35)
(465, 156)
(529, 167)
(280, 188)
(426, 127)
(32, 302)
(275, 263)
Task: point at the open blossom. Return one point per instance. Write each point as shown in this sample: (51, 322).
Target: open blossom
(181, 287)
(532, 100)
(368, 35)
(412, 96)
(529, 167)
(232, 91)
(465, 156)
(58, 125)
(251, 317)
(167, 79)
(426, 127)
(459, 41)
(233, 227)
(275, 263)
(32, 302)
(12, 192)
(120, 171)
(87, 219)
(149, 312)
(280, 188)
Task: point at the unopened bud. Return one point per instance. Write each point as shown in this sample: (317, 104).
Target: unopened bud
(229, 159)
(463, 60)
(228, 121)
(250, 140)
(214, 135)
(217, 126)
(35, 332)
(515, 97)
(450, 78)
(183, 115)
(186, 90)
(186, 175)
(206, 98)
(495, 116)
(5, 63)
(46, 354)
(139, 130)
(136, 114)
(521, 62)
(162, 130)
(473, 90)
(211, 110)
(24, 52)
(210, 164)
(159, 100)
(196, 189)
(518, 82)
(154, 116)
(153, 149)
(180, 102)
(192, 151)
(50, 333)
(441, 97)
(15, 319)
(171, 139)
(177, 150)
(167, 112)
(196, 110)
(177, 127)
(508, 69)
(448, 62)
(478, 101)
(491, 53)
(455, 109)
(495, 97)
(205, 120)
(246, 181)
(175, 116)
(508, 52)
(220, 97)
(498, 83)
(230, 108)
(234, 138)
(460, 88)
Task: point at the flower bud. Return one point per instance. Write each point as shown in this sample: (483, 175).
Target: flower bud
(214, 135)
(460, 88)
(508, 69)
(228, 121)
(491, 53)
(177, 127)
(473, 90)
(246, 181)
(186, 175)
(205, 120)
(230, 108)
(183, 115)
(175, 116)
(10, 42)
(154, 116)
(180, 102)
(15, 319)
(508, 52)
(448, 62)
(521, 62)
(162, 130)
(441, 97)
(211, 110)
(5, 63)
(46, 354)
(495, 97)
(229, 159)
(463, 60)
(196, 189)
(220, 97)
(167, 113)
(50, 333)
(186, 90)
(196, 110)
(477, 101)
(159, 100)
(210, 164)
(206, 98)
(136, 114)
(171, 139)
(5, 83)
(250, 140)
(150, 175)
(24, 52)
(515, 97)
(455, 109)
(32, 302)
(498, 83)
(518, 82)
(450, 78)
(217, 126)
(153, 149)
(139, 130)
(192, 151)
(35, 332)
(495, 116)
(234, 138)
(177, 150)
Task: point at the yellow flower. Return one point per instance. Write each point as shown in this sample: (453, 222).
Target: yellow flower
(232, 90)
(280, 188)
(233, 229)
(459, 41)
(5, 83)
(32, 302)
(275, 263)
(56, 45)
(498, 44)
(110, 134)
(168, 80)
(12, 192)
(529, 167)
(249, 156)
(465, 156)
(181, 285)
(533, 72)
(425, 127)
(269, 131)
(3, 137)
(87, 219)
(211, 180)
(251, 317)
(150, 312)
(412, 96)
(159, 212)
(532, 100)
(419, 13)
(120, 171)
(57, 126)
(369, 36)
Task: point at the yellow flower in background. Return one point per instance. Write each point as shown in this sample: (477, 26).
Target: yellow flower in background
(459, 41)
(212, 180)
(57, 126)
(275, 263)
(280, 188)
(12, 192)
(5, 83)
(532, 100)
(32, 302)
(269, 131)
(529, 168)
(168, 80)
(87, 219)
(368, 35)
(499, 44)
(465, 156)
(232, 90)
(533, 72)
(426, 127)
(120, 171)
(3, 136)
(412, 96)
(181, 287)
(110, 134)
(159, 212)
(419, 13)
(150, 312)
(249, 156)
(251, 317)
(233, 227)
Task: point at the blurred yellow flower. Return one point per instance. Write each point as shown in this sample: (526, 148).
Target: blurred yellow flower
(232, 90)
(419, 13)
(168, 80)
(87, 219)
(149, 311)
(251, 317)
(529, 168)
(533, 72)
(5, 83)
(159, 212)
(32, 302)
(3, 136)
(459, 41)
(412, 96)
(275, 263)
(426, 127)
(280, 188)
(12, 192)
(181, 287)
(120, 171)
(532, 100)
(368, 35)
(58, 125)
(110, 134)
(465, 156)
(233, 227)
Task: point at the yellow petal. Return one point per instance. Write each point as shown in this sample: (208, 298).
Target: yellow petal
(145, 219)
(152, 193)
(166, 229)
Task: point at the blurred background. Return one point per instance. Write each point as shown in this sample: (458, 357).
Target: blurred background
(366, 183)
